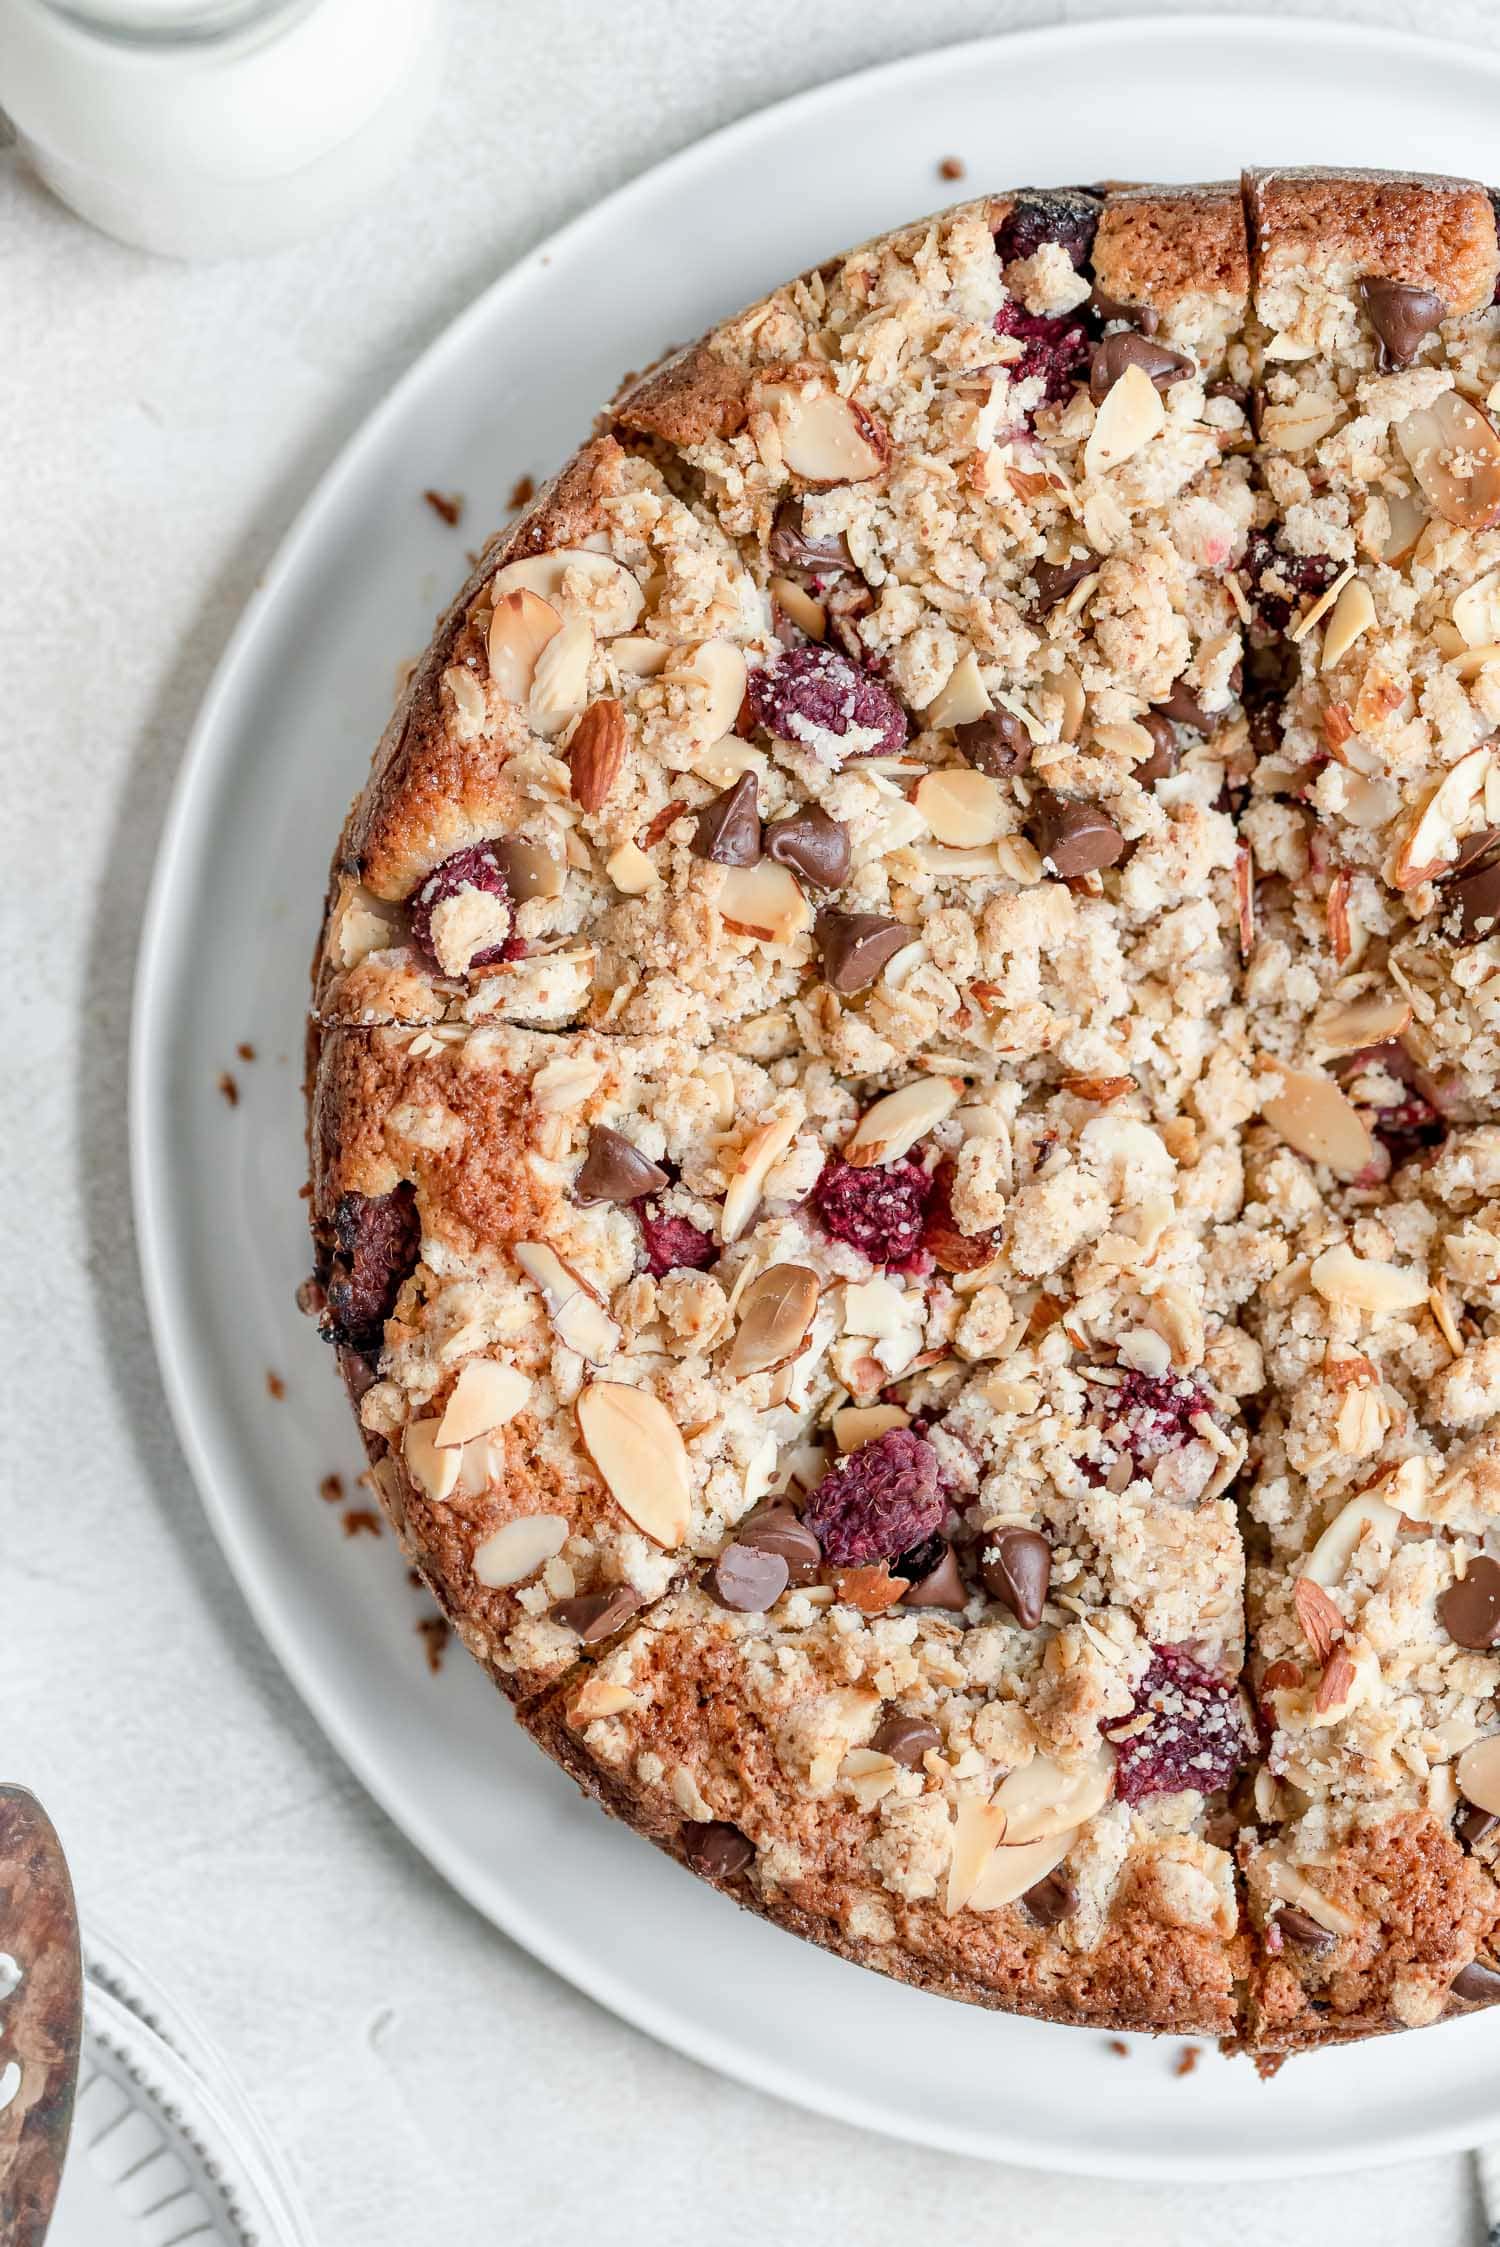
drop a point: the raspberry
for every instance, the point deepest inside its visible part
(1148, 1415)
(951, 1250)
(674, 1244)
(1057, 348)
(1062, 215)
(376, 1241)
(475, 868)
(816, 697)
(880, 1501)
(1412, 1125)
(879, 1208)
(1306, 574)
(1196, 1736)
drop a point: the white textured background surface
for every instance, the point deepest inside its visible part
(159, 427)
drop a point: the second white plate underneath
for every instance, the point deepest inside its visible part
(282, 744)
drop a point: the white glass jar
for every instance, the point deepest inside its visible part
(206, 128)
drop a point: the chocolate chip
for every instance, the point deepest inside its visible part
(614, 1170)
(597, 1615)
(728, 830)
(1304, 1932)
(1074, 836)
(815, 845)
(854, 947)
(778, 1529)
(1142, 316)
(749, 1578)
(1469, 1610)
(942, 1586)
(717, 1850)
(1017, 1568)
(1401, 315)
(1052, 1900)
(1474, 886)
(1477, 1983)
(1473, 1825)
(1162, 762)
(791, 549)
(906, 1739)
(1055, 580)
(998, 743)
(1238, 391)
(1123, 349)
(1183, 708)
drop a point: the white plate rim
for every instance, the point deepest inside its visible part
(149, 1170)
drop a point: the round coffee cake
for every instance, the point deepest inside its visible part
(905, 1067)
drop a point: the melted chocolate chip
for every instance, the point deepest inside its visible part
(1469, 1610)
(816, 847)
(906, 1739)
(1123, 349)
(1478, 1983)
(1304, 1932)
(1402, 315)
(792, 550)
(1074, 836)
(1016, 1565)
(778, 1529)
(1055, 580)
(748, 1578)
(597, 1615)
(614, 1170)
(1474, 886)
(854, 947)
(941, 1586)
(728, 829)
(998, 743)
(1145, 317)
(1052, 1900)
(1473, 1825)
(1183, 708)
(1162, 762)
(717, 1851)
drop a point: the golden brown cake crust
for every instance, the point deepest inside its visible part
(1434, 233)
(1156, 245)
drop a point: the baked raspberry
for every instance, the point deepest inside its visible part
(1411, 1125)
(1063, 215)
(474, 868)
(675, 1244)
(951, 1250)
(880, 1501)
(1196, 1736)
(818, 698)
(376, 1241)
(1057, 348)
(1307, 575)
(1147, 1416)
(879, 1208)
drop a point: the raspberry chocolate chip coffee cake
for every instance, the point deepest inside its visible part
(906, 1107)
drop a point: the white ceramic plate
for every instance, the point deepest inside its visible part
(283, 742)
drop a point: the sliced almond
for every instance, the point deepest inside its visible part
(1365, 1516)
(893, 1126)
(1131, 415)
(638, 1449)
(432, 1470)
(638, 657)
(1453, 450)
(1476, 612)
(825, 438)
(1433, 840)
(961, 698)
(1322, 1624)
(596, 753)
(1315, 1117)
(963, 808)
(1008, 1873)
(362, 924)
(1372, 1019)
(1044, 1798)
(560, 682)
(1321, 606)
(1407, 519)
(520, 626)
(598, 1697)
(579, 1319)
(977, 1828)
(1302, 421)
(1478, 1774)
(763, 901)
(857, 1424)
(1364, 1283)
(869, 1774)
(564, 1085)
(761, 1152)
(1353, 613)
(486, 1394)
(519, 1549)
(776, 1311)
(795, 601)
(615, 600)
(1289, 1886)
(720, 667)
(631, 871)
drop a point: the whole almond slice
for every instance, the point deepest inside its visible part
(758, 1157)
(1453, 450)
(1044, 1798)
(1407, 519)
(893, 1126)
(795, 601)
(519, 1549)
(486, 1394)
(720, 668)
(1291, 1886)
(763, 901)
(638, 1449)
(1365, 1283)
(963, 808)
(1303, 421)
(1131, 415)
(616, 600)
(856, 1424)
(560, 682)
(631, 871)
(1316, 1118)
(1353, 614)
(434, 1471)
(638, 657)
(1372, 1019)
(1433, 840)
(1476, 612)
(1365, 1516)
(596, 753)
(520, 626)
(825, 438)
(1478, 1774)
(977, 1827)
(776, 1311)
(1008, 1873)
(579, 1319)
(961, 698)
